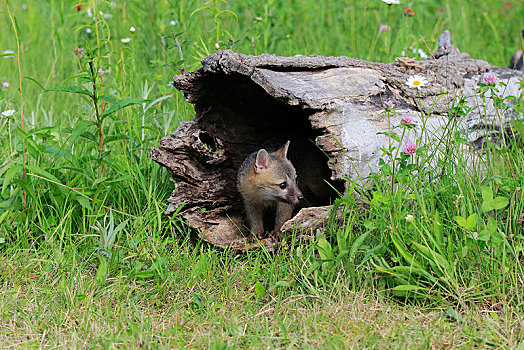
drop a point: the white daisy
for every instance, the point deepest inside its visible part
(416, 81)
(410, 218)
(8, 113)
(391, 2)
(126, 40)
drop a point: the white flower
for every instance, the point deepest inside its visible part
(88, 30)
(8, 113)
(173, 23)
(391, 2)
(422, 54)
(410, 218)
(126, 40)
(89, 13)
(403, 53)
(217, 46)
(132, 30)
(416, 81)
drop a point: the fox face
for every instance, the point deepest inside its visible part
(272, 180)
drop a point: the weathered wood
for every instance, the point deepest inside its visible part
(330, 107)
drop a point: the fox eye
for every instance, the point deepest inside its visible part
(282, 185)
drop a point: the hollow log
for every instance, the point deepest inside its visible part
(331, 108)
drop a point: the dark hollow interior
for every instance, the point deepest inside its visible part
(244, 116)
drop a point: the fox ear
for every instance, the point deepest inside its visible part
(282, 151)
(262, 161)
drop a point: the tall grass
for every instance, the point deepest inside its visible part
(89, 259)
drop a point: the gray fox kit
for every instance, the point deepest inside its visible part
(268, 180)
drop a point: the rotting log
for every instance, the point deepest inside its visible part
(330, 107)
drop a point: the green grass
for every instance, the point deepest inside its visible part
(71, 277)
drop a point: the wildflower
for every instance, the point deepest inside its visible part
(408, 12)
(132, 30)
(391, 2)
(389, 105)
(403, 53)
(442, 9)
(416, 81)
(78, 7)
(101, 71)
(409, 148)
(8, 113)
(422, 54)
(217, 46)
(410, 218)
(173, 23)
(24, 7)
(5, 84)
(126, 40)
(384, 28)
(89, 13)
(489, 79)
(406, 119)
(88, 30)
(78, 52)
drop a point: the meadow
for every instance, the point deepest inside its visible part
(89, 260)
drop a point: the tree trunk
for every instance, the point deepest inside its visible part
(331, 108)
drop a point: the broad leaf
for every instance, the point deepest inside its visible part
(73, 89)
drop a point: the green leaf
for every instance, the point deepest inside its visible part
(35, 81)
(471, 222)
(324, 249)
(260, 290)
(101, 272)
(433, 256)
(9, 175)
(486, 206)
(198, 301)
(84, 202)
(454, 314)
(399, 244)
(79, 128)
(461, 221)
(73, 89)
(119, 104)
(492, 225)
(113, 138)
(484, 235)
(438, 229)
(487, 193)
(356, 245)
(499, 203)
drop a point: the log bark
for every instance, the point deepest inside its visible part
(330, 107)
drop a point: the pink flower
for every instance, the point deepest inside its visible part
(78, 52)
(409, 148)
(489, 79)
(389, 105)
(384, 28)
(5, 84)
(100, 71)
(406, 119)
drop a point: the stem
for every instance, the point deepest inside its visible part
(15, 30)
(99, 120)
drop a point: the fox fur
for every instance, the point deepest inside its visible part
(268, 181)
